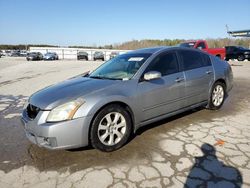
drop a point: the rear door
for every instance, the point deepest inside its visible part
(163, 95)
(199, 75)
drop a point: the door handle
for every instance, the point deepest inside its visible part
(209, 72)
(179, 80)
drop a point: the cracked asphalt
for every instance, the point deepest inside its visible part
(198, 148)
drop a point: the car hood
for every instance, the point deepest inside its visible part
(66, 91)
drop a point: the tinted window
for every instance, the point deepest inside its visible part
(191, 59)
(165, 64)
(201, 45)
(206, 60)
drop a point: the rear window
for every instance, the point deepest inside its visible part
(191, 60)
(194, 59)
(187, 44)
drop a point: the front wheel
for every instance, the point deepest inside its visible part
(111, 128)
(217, 96)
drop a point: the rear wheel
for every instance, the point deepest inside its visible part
(111, 128)
(217, 96)
(241, 58)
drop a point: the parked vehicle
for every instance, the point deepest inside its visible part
(237, 52)
(129, 91)
(202, 45)
(50, 56)
(23, 53)
(7, 53)
(34, 56)
(98, 55)
(15, 53)
(82, 55)
(113, 54)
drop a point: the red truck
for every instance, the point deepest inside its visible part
(202, 45)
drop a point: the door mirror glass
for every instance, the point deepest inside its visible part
(152, 75)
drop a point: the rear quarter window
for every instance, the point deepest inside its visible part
(206, 60)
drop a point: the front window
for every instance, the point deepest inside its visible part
(122, 67)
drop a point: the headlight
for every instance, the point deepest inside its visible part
(65, 111)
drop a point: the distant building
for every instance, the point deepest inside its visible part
(242, 33)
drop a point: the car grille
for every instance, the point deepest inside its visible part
(32, 111)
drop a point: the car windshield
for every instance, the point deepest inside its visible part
(187, 44)
(122, 67)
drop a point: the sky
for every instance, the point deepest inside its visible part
(102, 22)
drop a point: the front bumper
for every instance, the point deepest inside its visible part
(60, 135)
(48, 58)
(247, 56)
(30, 58)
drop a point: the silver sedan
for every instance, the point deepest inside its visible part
(105, 107)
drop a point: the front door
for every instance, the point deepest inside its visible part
(163, 95)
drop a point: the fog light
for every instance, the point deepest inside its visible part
(50, 141)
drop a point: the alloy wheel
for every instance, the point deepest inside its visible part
(112, 128)
(218, 95)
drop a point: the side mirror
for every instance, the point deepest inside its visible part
(200, 48)
(152, 75)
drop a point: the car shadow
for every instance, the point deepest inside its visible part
(208, 171)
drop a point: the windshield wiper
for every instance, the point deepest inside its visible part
(104, 78)
(97, 77)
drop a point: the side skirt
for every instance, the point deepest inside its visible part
(158, 118)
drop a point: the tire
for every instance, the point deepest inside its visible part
(227, 59)
(217, 96)
(113, 124)
(241, 58)
(86, 58)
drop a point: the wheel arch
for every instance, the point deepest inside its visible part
(122, 104)
(222, 80)
(218, 55)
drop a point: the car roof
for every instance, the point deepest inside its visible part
(150, 50)
(164, 48)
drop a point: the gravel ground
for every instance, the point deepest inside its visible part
(199, 147)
